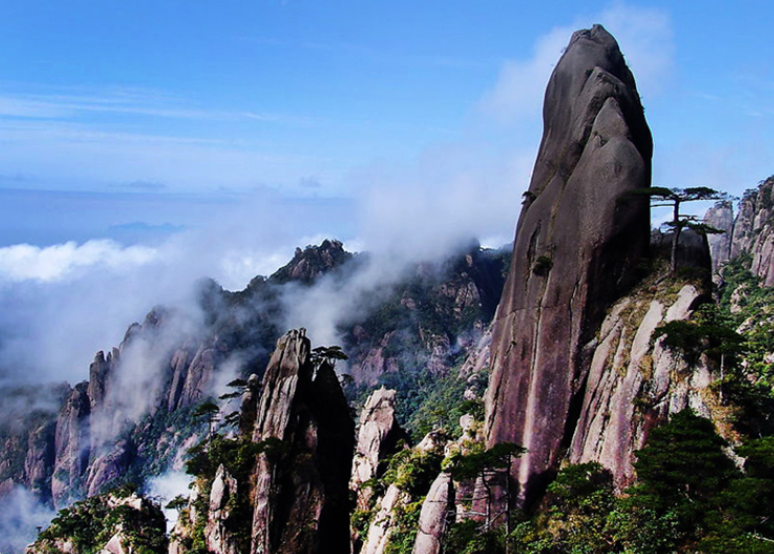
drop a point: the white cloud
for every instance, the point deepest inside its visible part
(167, 487)
(20, 516)
(644, 35)
(23, 262)
(518, 93)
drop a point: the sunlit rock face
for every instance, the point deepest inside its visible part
(379, 435)
(578, 242)
(751, 231)
(721, 217)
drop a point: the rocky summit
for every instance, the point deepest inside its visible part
(578, 240)
(629, 406)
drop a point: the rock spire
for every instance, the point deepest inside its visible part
(578, 241)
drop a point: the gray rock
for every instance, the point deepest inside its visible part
(433, 519)
(71, 446)
(720, 216)
(578, 242)
(217, 534)
(300, 494)
(378, 438)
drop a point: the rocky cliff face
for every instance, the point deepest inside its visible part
(379, 436)
(300, 497)
(634, 383)
(310, 263)
(439, 311)
(131, 418)
(578, 240)
(750, 232)
(286, 489)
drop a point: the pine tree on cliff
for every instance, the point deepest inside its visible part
(663, 197)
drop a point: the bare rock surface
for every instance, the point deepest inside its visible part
(433, 519)
(300, 494)
(578, 241)
(217, 534)
(378, 437)
(721, 217)
(634, 383)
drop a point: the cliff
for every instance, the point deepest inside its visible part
(282, 487)
(749, 232)
(579, 240)
(132, 418)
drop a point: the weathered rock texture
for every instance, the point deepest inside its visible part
(301, 497)
(439, 309)
(750, 232)
(128, 414)
(578, 241)
(71, 445)
(721, 217)
(633, 384)
(217, 533)
(434, 517)
(378, 437)
(386, 523)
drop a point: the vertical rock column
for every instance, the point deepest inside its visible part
(578, 241)
(300, 497)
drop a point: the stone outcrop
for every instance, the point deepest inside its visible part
(384, 521)
(311, 262)
(434, 517)
(217, 534)
(300, 495)
(378, 437)
(71, 445)
(578, 241)
(721, 217)
(633, 383)
(750, 232)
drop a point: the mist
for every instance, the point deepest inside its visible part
(20, 517)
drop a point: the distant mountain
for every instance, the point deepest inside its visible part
(132, 419)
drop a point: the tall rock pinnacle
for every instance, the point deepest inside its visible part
(578, 241)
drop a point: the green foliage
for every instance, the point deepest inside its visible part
(412, 471)
(403, 531)
(443, 407)
(479, 462)
(329, 354)
(674, 198)
(542, 265)
(208, 410)
(238, 456)
(579, 502)
(709, 331)
(465, 537)
(689, 497)
(360, 522)
(90, 523)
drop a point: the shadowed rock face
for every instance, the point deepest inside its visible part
(578, 241)
(300, 497)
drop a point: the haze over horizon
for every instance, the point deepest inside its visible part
(147, 145)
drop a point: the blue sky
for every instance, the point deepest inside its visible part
(145, 144)
(183, 102)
